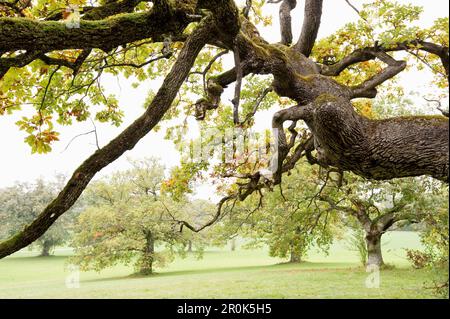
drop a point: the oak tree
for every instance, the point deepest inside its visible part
(130, 221)
(55, 66)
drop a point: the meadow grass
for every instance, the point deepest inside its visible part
(224, 274)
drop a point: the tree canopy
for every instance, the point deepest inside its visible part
(21, 203)
(52, 61)
(129, 220)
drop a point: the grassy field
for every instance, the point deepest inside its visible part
(223, 274)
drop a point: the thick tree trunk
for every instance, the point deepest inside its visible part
(374, 255)
(233, 244)
(295, 255)
(375, 149)
(189, 246)
(146, 266)
(46, 247)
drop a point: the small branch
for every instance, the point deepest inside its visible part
(247, 8)
(75, 137)
(424, 61)
(325, 183)
(166, 54)
(368, 88)
(28, 57)
(237, 91)
(18, 62)
(216, 217)
(204, 73)
(258, 102)
(47, 87)
(95, 133)
(250, 213)
(333, 204)
(356, 10)
(366, 54)
(439, 107)
(215, 88)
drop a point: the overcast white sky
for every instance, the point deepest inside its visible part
(17, 163)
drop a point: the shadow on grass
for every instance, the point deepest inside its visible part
(15, 259)
(295, 267)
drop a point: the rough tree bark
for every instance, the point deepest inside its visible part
(398, 147)
(376, 149)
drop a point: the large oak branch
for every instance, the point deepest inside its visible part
(376, 149)
(31, 35)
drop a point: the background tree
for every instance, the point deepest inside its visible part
(434, 237)
(285, 219)
(130, 221)
(320, 78)
(21, 203)
(378, 206)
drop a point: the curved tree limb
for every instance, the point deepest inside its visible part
(214, 88)
(366, 54)
(368, 87)
(310, 28)
(122, 143)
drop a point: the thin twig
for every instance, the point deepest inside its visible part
(138, 66)
(47, 87)
(204, 73)
(95, 133)
(258, 102)
(424, 61)
(444, 112)
(75, 137)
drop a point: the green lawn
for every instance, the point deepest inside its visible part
(223, 274)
